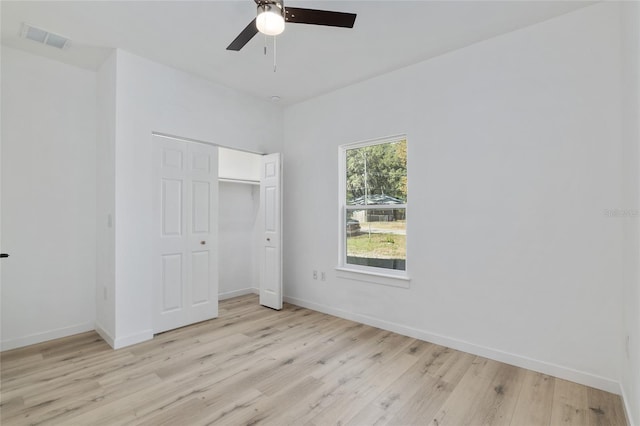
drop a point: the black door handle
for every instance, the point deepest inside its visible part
(4, 255)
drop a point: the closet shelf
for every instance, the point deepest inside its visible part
(243, 181)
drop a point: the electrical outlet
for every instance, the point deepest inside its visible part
(323, 276)
(315, 275)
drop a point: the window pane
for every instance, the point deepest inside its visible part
(377, 174)
(377, 238)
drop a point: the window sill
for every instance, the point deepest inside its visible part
(373, 277)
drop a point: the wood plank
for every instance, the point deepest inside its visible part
(359, 393)
(420, 391)
(605, 408)
(535, 401)
(570, 404)
(254, 365)
(487, 394)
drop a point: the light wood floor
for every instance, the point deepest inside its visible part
(254, 365)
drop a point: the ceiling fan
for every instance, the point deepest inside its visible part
(272, 15)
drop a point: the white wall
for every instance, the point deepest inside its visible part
(630, 377)
(514, 154)
(155, 98)
(48, 199)
(237, 215)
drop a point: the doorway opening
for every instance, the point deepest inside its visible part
(239, 234)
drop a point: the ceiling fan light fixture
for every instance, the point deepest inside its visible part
(270, 20)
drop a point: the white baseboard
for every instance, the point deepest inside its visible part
(627, 408)
(118, 343)
(236, 293)
(132, 339)
(555, 370)
(44, 336)
(107, 337)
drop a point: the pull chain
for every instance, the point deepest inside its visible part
(275, 64)
(274, 54)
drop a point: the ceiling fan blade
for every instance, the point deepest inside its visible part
(244, 37)
(299, 15)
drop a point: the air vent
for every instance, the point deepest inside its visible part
(44, 37)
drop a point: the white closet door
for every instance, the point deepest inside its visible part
(185, 233)
(271, 219)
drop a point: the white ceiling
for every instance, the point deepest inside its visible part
(193, 36)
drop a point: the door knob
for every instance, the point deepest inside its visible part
(203, 242)
(4, 255)
(268, 239)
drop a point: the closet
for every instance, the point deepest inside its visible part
(218, 229)
(239, 234)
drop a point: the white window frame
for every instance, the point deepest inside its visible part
(384, 276)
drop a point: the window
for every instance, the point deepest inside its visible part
(373, 202)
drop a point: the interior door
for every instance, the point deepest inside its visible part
(185, 228)
(270, 258)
